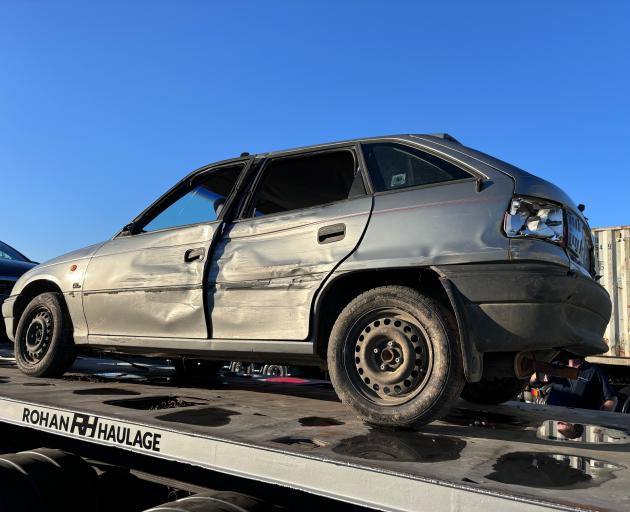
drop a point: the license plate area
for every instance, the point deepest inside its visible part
(578, 240)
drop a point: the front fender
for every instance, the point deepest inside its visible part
(64, 274)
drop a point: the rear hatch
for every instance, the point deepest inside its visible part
(579, 240)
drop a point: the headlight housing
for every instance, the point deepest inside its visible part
(528, 217)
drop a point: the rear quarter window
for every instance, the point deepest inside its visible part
(393, 166)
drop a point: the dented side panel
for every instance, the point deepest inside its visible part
(142, 286)
(439, 225)
(266, 271)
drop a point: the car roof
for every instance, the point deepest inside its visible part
(435, 136)
(445, 140)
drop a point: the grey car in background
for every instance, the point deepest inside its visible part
(412, 267)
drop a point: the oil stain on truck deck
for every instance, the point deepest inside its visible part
(400, 446)
(551, 471)
(156, 403)
(105, 392)
(316, 421)
(206, 417)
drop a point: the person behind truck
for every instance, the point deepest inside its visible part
(591, 390)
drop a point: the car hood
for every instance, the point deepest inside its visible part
(14, 268)
(79, 254)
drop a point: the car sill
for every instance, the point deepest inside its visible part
(212, 349)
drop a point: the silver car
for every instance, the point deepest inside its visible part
(416, 269)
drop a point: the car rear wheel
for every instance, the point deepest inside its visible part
(43, 343)
(394, 357)
(493, 391)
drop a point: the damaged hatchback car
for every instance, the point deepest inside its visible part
(412, 267)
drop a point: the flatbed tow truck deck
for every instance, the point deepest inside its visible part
(295, 433)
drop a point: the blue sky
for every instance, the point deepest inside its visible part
(105, 105)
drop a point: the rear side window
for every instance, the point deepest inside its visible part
(306, 181)
(392, 166)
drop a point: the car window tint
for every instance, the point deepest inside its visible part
(392, 166)
(202, 203)
(306, 181)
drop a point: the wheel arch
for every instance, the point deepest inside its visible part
(29, 292)
(342, 288)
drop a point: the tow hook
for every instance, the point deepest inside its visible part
(525, 365)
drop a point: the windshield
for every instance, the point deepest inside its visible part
(9, 253)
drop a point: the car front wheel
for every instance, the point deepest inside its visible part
(43, 343)
(394, 357)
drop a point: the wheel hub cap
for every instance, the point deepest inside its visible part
(391, 357)
(38, 335)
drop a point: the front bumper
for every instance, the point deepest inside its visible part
(515, 307)
(7, 327)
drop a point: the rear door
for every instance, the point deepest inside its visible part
(307, 212)
(151, 282)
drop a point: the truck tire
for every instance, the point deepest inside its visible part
(215, 501)
(46, 479)
(394, 357)
(493, 391)
(43, 341)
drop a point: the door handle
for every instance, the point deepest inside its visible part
(194, 254)
(333, 233)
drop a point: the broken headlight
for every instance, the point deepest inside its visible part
(535, 218)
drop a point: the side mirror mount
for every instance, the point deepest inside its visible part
(129, 230)
(218, 206)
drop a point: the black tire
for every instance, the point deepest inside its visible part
(43, 342)
(493, 391)
(408, 344)
(194, 369)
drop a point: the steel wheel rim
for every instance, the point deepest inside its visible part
(38, 335)
(275, 370)
(387, 356)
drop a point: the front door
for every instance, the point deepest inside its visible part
(150, 282)
(307, 213)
